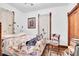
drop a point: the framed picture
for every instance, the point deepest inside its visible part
(32, 23)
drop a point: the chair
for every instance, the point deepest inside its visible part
(56, 43)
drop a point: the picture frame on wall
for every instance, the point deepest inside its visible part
(32, 23)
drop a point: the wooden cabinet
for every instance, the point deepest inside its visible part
(0, 41)
(77, 21)
(73, 23)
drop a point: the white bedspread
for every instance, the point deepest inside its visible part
(12, 43)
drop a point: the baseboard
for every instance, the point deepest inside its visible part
(63, 46)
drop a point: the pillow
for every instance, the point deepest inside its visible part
(72, 43)
(32, 42)
(20, 34)
(8, 36)
(39, 37)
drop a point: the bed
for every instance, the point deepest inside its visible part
(15, 45)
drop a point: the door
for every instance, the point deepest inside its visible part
(0, 41)
(44, 25)
(77, 23)
(73, 26)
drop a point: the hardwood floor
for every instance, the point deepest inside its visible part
(53, 51)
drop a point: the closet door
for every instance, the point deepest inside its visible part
(73, 25)
(77, 23)
(0, 41)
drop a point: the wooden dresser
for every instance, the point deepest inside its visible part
(73, 24)
(0, 41)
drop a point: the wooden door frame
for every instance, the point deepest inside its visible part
(50, 25)
(13, 22)
(38, 23)
(68, 14)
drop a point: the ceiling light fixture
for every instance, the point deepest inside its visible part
(31, 4)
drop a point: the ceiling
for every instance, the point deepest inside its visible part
(27, 7)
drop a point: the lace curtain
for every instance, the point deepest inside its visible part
(6, 18)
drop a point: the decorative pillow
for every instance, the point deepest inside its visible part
(32, 42)
(39, 37)
(72, 43)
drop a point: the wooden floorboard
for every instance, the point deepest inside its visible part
(54, 49)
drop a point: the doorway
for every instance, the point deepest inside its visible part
(44, 25)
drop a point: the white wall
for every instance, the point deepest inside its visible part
(59, 21)
(19, 16)
(71, 6)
